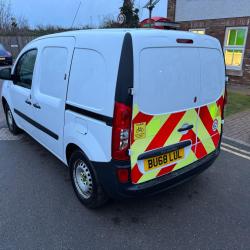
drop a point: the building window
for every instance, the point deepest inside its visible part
(198, 31)
(234, 47)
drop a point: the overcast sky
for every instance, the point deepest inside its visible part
(61, 12)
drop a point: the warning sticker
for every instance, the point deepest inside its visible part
(140, 130)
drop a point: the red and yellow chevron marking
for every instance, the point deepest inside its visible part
(210, 137)
(162, 130)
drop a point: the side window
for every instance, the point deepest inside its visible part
(25, 68)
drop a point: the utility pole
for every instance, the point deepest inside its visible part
(150, 6)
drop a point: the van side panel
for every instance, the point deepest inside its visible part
(86, 99)
(91, 95)
(49, 91)
(88, 134)
(88, 76)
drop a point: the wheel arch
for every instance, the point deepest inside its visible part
(4, 102)
(72, 147)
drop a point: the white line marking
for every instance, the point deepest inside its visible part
(235, 140)
(5, 135)
(235, 153)
(235, 148)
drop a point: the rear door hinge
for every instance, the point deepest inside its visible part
(131, 91)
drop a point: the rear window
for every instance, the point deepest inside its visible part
(212, 75)
(170, 79)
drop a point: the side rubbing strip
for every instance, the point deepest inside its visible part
(37, 125)
(102, 118)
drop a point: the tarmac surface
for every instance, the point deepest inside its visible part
(39, 210)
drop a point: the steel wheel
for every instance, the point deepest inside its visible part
(83, 180)
(10, 119)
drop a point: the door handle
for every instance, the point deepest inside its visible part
(185, 127)
(28, 102)
(37, 106)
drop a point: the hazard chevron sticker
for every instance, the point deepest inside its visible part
(162, 130)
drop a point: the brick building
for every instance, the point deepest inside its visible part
(227, 20)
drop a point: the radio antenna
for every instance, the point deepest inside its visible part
(77, 11)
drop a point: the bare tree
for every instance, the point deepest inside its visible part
(109, 22)
(5, 14)
(22, 23)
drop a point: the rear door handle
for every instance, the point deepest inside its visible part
(28, 102)
(185, 127)
(37, 106)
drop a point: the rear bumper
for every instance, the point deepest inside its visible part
(107, 174)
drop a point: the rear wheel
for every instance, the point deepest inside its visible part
(85, 182)
(13, 128)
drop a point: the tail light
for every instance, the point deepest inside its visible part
(189, 41)
(121, 131)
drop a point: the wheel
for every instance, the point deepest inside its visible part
(85, 182)
(13, 128)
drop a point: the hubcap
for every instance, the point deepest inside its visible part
(10, 118)
(83, 179)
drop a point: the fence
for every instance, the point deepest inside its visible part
(15, 44)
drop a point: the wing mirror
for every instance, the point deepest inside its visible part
(5, 74)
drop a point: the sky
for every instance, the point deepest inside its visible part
(61, 12)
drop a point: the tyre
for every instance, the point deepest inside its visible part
(13, 128)
(85, 182)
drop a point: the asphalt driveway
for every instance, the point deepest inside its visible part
(39, 210)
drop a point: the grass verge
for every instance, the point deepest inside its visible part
(236, 103)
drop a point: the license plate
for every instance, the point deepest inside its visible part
(2, 59)
(163, 160)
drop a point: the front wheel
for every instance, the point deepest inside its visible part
(13, 128)
(85, 182)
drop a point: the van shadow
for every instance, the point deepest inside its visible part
(150, 209)
(117, 213)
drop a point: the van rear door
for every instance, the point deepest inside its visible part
(165, 117)
(211, 101)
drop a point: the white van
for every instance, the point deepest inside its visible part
(131, 112)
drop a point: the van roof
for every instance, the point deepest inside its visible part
(78, 34)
